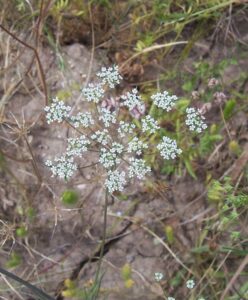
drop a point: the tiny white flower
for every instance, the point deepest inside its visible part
(83, 119)
(190, 284)
(107, 117)
(164, 100)
(138, 168)
(63, 166)
(149, 124)
(115, 181)
(137, 146)
(125, 128)
(168, 148)
(171, 298)
(132, 100)
(101, 137)
(76, 146)
(110, 76)
(201, 298)
(195, 120)
(158, 276)
(57, 111)
(93, 92)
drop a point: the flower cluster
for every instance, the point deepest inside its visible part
(168, 148)
(132, 100)
(164, 100)
(137, 146)
(94, 92)
(57, 112)
(115, 141)
(149, 124)
(138, 168)
(115, 181)
(125, 128)
(82, 119)
(111, 157)
(102, 137)
(110, 76)
(63, 166)
(107, 117)
(195, 120)
(76, 146)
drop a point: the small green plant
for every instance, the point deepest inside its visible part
(14, 261)
(69, 197)
(21, 231)
(126, 274)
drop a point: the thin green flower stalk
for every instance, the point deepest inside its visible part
(119, 144)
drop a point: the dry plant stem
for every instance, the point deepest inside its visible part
(224, 121)
(37, 172)
(150, 49)
(167, 248)
(103, 237)
(234, 278)
(12, 288)
(41, 72)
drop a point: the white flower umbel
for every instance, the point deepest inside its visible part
(115, 181)
(107, 117)
(138, 168)
(137, 146)
(63, 166)
(82, 119)
(110, 76)
(125, 128)
(101, 137)
(76, 146)
(168, 148)
(190, 284)
(93, 92)
(132, 100)
(57, 111)
(149, 124)
(195, 120)
(164, 100)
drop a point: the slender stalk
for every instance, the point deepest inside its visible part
(103, 236)
(38, 292)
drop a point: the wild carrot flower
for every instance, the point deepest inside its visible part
(132, 99)
(93, 92)
(136, 146)
(138, 168)
(115, 181)
(57, 111)
(149, 124)
(164, 100)
(168, 148)
(195, 120)
(110, 76)
(113, 140)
